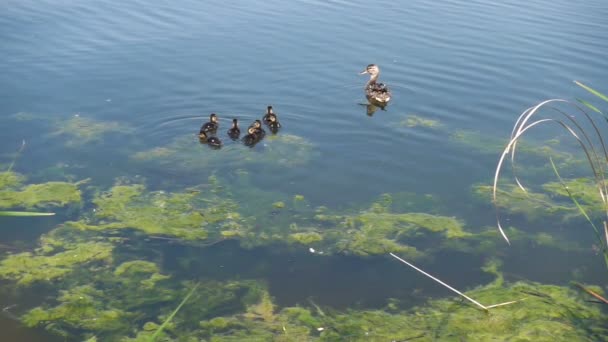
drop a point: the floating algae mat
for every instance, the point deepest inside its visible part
(211, 213)
(103, 285)
(129, 301)
(15, 194)
(186, 154)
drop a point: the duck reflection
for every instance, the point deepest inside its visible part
(371, 108)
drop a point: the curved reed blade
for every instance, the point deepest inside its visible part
(595, 161)
(499, 168)
(521, 124)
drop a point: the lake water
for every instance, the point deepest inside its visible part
(155, 70)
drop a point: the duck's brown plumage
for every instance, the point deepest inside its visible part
(374, 91)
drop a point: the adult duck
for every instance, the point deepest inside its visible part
(377, 93)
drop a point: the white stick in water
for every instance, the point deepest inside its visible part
(440, 282)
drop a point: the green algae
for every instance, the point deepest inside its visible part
(80, 308)
(43, 265)
(554, 202)
(379, 231)
(548, 313)
(372, 231)
(190, 215)
(532, 156)
(585, 190)
(412, 121)
(10, 180)
(57, 194)
(185, 153)
(306, 239)
(107, 305)
(533, 205)
(79, 130)
(14, 194)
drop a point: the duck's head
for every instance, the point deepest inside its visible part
(269, 110)
(372, 70)
(202, 135)
(256, 124)
(213, 118)
(235, 123)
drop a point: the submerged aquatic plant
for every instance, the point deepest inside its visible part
(47, 264)
(185, 155)
(10, 179)
(190, 215)
(592, 144)
(549, 313)
(412, 121)
(81, 130)
(168, 320)
(484, 307)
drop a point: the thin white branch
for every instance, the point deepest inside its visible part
(440, 282)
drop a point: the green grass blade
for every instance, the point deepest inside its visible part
(168, 320)
(592, 91)
(24, 213)
(589, 105)
(10, 167)
(583, 212)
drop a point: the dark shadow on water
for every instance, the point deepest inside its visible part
(17, 233)
(11, 307)
(531, 262)
(14, 331)
(298, 277)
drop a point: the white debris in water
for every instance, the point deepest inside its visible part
(311, 250)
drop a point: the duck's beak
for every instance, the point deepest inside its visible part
(364, 72)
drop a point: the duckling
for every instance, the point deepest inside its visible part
(269, 114)
(273, 124)
(211, 141)
(234, 132)
(252, 137)
(376, 92)
(212, 125)
(257, 125)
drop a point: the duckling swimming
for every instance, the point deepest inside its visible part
(257, 125)
(274, 124)
(252, 137)
(212, 125)
(234, 132)
(376, 92)
(269, 114)
(211, 141)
